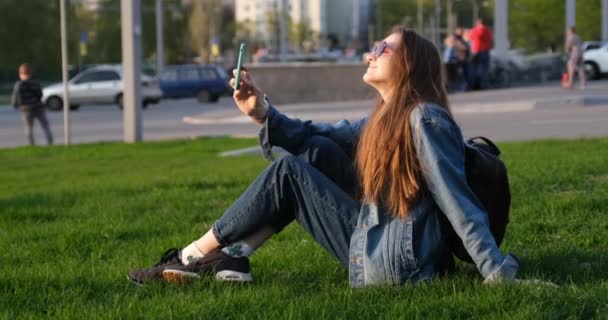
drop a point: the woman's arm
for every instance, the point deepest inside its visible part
(289, 134)
(282, 131)
(441, 154)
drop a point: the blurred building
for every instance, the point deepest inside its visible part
(341, 23)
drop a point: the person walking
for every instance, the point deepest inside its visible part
(481, 44)
(27, 96)
(575, 59)
(464, 54)
(371, 192)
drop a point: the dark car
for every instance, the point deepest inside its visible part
(205, 82)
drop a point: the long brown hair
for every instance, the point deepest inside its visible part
(386, 159)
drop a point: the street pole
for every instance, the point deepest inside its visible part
(282, 31)
(355, 29)
(604, 20)
(501, 13)
(64, 74)
(419, 17)
(160, 55)
(438, 23)
(449, 7)
(570, 13)
(475, 7)
(130, 14)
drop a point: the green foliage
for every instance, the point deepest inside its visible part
(204, 22)
(74, 220)
(538, 25)
(31, 33)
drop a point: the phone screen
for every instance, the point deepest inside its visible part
(239, 65)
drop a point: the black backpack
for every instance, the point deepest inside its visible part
(487, 177)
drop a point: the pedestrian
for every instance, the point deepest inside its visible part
(481, 44)
(464, 54)
(575, 59)
(451, 62)
(370, 192)
(27, 96)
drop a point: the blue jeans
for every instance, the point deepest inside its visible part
(481, 63)
(317, 187)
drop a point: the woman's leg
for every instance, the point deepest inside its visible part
(292, 189)
(570, 73)
(321, 153)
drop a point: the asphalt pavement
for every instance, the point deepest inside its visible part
(536, 112)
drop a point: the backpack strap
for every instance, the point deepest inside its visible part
(487, 141)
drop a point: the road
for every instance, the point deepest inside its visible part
(503, 115)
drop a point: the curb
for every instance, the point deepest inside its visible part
(278, 152)
(470, 108)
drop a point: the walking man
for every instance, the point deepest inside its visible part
(481, 43)
(26, 96)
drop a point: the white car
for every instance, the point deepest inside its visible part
(596, 61)
(99, 85)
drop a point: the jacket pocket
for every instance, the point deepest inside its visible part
(409, 263)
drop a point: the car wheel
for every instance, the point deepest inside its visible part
(214, 98)
(203, 96)
(592, 71)
(74, 107)
(54, 103)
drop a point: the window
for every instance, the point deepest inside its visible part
(190, 74)
(88, 77)
(98, 76)
(207, 74)
(107, 76)
(169, 75)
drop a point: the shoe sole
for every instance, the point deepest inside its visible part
(180, 277)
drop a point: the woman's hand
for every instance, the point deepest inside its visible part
(248, 97)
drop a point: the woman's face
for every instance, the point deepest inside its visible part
(380, 69)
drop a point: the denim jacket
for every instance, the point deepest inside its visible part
(389, 250)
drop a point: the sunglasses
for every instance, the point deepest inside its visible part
(380, 49)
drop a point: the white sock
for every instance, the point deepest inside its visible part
(238, 249)
(191, 253)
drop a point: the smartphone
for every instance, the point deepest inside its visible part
(239, 65)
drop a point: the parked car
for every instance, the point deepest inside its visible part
(596, 62)
(99, 85)
(590, 45)
(205, 82)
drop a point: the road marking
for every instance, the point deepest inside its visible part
(542, 122)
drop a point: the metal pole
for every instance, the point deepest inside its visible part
(570, 13)
(160, 55)
(130, 14)
(604, 20)
(438, 23)
(355, 29)
(282, 30)
(475, 6)
(64, 74)
(501, 12)
(419, 17)
(450, 25)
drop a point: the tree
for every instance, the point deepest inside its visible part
(204, 22)
(538, 25)
(31, 33)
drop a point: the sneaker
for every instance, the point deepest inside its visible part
(169, 259)
(217, 263)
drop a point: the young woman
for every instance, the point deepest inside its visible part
(370, 192)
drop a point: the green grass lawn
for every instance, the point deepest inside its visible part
(74, 220)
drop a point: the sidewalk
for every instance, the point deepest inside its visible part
(492, 101)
